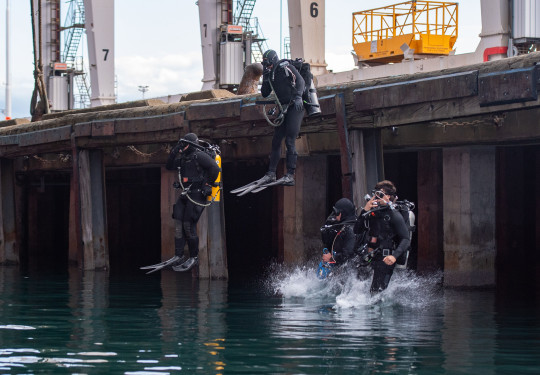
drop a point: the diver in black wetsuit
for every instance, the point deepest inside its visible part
(198, 171)
(288, 85)
(338, 234)
(388, 234)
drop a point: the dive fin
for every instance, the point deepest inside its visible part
(282, 181)
(253, 185)
(160, 266)
(248, 190)
(173, 259)
(187, 265)
(240, 189)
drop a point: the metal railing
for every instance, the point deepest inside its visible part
(413, 17)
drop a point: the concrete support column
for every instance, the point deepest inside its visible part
(429, 223)
(90, 221)
(367, 162)
(9, 249)
(469, 216)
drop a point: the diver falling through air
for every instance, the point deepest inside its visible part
(293, 91)
(198, 174)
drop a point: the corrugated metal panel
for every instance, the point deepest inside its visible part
(526, 19)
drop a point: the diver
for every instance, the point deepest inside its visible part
(386, 233)
(338, 236)
(197, 173)
(285, 81)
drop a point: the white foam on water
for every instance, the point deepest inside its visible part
(346, 290)
(16, 327)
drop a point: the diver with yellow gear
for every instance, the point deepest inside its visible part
(198, 173)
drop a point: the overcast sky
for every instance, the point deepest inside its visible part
(158, 43)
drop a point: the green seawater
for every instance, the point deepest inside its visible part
(286, 323)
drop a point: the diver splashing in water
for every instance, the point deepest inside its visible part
(338, 237)
(197, 172)
(387, 233)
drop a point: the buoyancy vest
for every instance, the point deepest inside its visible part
(190, 170)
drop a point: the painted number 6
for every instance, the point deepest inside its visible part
(313, 10)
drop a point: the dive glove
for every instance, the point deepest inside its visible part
(207, 190)
(177, 148)
(298, 105)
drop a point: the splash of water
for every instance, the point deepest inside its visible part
(347, 290)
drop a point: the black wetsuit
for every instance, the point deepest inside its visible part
(288, 84)
(198, 171)
(338, 236)
(389, 228)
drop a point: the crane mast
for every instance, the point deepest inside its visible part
(230, 43)
(99, 24)
(63, 69)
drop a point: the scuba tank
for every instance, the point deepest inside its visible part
(311, 101)
(216, 190)
(325, 268)
(215, 153)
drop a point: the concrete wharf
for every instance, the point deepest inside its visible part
(88, 187)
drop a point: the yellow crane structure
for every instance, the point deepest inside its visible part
(412, 29)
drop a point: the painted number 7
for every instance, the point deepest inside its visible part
(106, 50)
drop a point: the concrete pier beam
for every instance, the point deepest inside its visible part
(469, 216)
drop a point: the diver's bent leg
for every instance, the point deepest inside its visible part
(292, 124)
(275, 154)
(382, 273)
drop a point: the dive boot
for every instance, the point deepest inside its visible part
(287, 180)
(187, 265)
(267, 178)
(180, 261)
